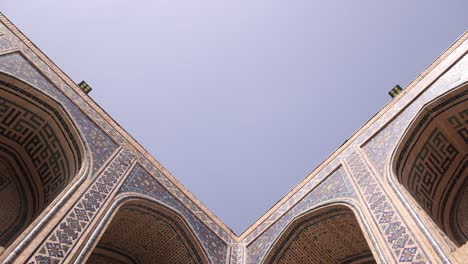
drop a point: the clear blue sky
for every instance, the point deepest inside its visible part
(240, 100)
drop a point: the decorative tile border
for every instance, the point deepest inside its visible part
(139, 181)
(432, 72)
(64, 236)
(189, 203)
(380, 146)
(237, 254)
(10, 41)
(292, 201)
(399, 239)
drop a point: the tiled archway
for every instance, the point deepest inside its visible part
(40, 154)
(328, 235)
(431, 162)
(143, 232)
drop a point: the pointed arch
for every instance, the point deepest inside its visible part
(41, 153)
(430, 163)
(328, 234)
(140, 230)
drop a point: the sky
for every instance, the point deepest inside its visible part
(241, 100)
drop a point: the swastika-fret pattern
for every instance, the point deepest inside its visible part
(431, 161)
(399, 239)
(436, 156)
(101, 145)
(335, 186)
(64, 236)
(392, 125)
(40, 142)
(29, 67)
(459, 122)
(139, 181)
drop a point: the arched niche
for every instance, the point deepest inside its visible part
(431, 162)
(143, 231)
(40, 154)
(330, 234)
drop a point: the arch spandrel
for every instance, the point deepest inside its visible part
(141, 182)
(431, 163)
(335, 188)
(142, 231)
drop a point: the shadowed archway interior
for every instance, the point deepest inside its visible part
(431, 162)
(328, 235)
(147, 233)
(39, 155)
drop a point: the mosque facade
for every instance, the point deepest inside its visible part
(75, 187)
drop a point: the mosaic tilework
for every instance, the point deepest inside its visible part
(9, 41)
(64, 236)
(379, 148)
(102, 146)
(196, 210)
(292, 201)
(335, 186)
(40, 141)
(401, 242)
(459, 122)
(237, 254)
(429, 163)
(427, 172)
(139, 181)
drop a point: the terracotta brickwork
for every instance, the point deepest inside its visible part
(395, 192)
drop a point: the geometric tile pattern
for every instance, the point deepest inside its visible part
(392, 125)
(186, 201)
(335, 186)
(294, 199)
(379, 148)
(434, 159)
(399, 239)
(41, 142)
(459, 122)
(97, 131)
(101, 145)
(139, 181)
(64, 236)
(237, 254)
(430, 163)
